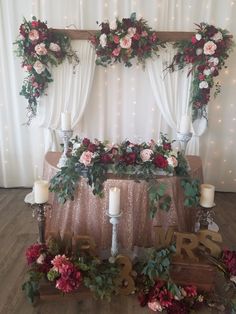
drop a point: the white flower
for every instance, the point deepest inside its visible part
(39, 67)
(103, 40)
(40, 259)
(174, 153)
(126, 42)
(172, 161)
(214, 61)
(40, 49)
(217, 37)
(199, 51)
(212, 69)
(233, 278)
(203, 84)
(207, 72)
(198, 36)
(113, 25)
(146, 154)
(131, 31)
(54, 47)
(75, 147)
(209, 48)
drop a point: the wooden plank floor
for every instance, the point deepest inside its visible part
(18, 229)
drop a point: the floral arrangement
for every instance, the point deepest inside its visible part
(95, 160)
(174, 299)
(205, 54)
(68, 272)
(121, 41)
(39, 47)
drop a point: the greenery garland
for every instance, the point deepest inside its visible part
(40, 47)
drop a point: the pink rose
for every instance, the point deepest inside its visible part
(131, 31)
(116, 52)
(146, 154)
(33, 35)
(172, 161)
(209, 48)
(144, 34)
(155, 306)
(40, 49)
(54, 47)
(126, 42)
(116, 39)
(27, 67)
(39, 67)
(86, 158)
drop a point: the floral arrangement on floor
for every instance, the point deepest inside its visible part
(95, 160)
(40, 47)
(123, 40)
(205, 54)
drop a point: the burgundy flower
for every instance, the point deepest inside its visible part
(160, 161)
(211, 30)
(127, 22)
(106, 159)
(201, 76)
(92, 147)
(178, 307)
(34, 251)
(86, 142)
(166, 298)
(34, 24)
(167, 146)
(105, 28)
(128, 158)
(229, 259)
(136, 36)
(193, 40)
(191, 291)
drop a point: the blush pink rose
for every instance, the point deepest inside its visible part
(116, 52)
(172, 161)
(39, 67)
(54, 47)
(40, 49)
(126, 42)
(209, 48)
(33, 35)
(146, 154)
(131, 31)
(155, 306)
(86, 158)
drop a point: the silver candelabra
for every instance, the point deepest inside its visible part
(41, 210)
(66, 135)
(114, 220)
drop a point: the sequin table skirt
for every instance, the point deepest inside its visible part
(86, 215)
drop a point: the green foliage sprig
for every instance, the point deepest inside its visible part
(158, 199)
(191, 191)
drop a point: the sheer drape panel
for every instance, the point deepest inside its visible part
(69, 92)
(171, 90)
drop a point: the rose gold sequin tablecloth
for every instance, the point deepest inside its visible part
(86, 215)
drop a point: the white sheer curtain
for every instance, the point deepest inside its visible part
(171, 90)
(69, 92)
(121, 103)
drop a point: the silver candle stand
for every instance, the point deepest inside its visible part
(41, 210)
(114, 220)
(66, 135)
(184, 138)
(204, 214)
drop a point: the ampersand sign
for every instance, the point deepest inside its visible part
(124, 280)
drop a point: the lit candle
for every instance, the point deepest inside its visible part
(207, 192)
(184, 127)
(114, 201)
(41, 191)
(66, 121)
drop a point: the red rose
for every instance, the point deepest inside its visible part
(92, 147)
(35, 23)
(167, 146)
(106, 159)
(160, 161)
(86, 141)
(129, 158)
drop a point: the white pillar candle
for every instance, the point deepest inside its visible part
(207, 192)
(66, 121)
(114, 201)
(184, 127)
(41, 191)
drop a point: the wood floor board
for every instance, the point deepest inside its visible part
(18, 230)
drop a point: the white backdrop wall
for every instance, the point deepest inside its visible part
(121, 102)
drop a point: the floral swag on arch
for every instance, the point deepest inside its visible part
(122, 41)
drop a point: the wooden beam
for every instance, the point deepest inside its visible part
(87, 34)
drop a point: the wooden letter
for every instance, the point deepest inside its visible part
(163, 238)
(125, 281)
(206, 236)
(186, 242)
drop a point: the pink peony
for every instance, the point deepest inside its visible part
(209, 48)
(40, 49)
(146, 154)
(86, 158)
(33, 35)
(126, 42)
(54, 47)
(116, 52)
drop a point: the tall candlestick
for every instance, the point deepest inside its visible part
(114, 201)
(184, 127)
(41, 191)
(207, 195)
(66, 121)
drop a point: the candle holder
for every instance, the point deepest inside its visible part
(204, 215)
(114, 220)
(41, 210)
(184, 138)
(66, 135)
